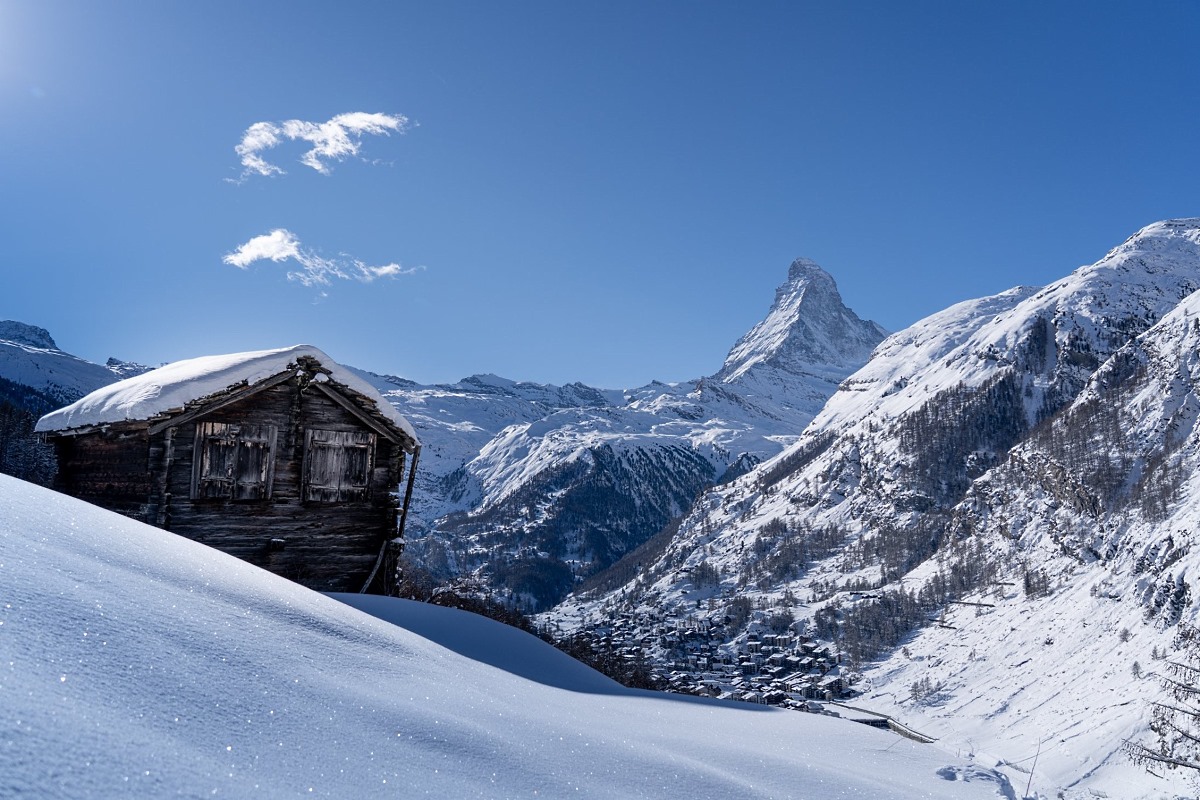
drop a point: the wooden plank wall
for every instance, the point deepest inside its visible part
(107, 468)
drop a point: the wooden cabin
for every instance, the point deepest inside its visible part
(282, 458)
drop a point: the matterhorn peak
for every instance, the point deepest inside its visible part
(807, 329)
(807, 269)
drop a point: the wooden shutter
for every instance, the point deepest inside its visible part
(233, 461)
(216, 456)
(255, 465)
(338, 465)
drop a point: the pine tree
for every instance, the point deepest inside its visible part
(1176, 720)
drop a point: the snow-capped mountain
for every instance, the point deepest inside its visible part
(456, 421)
(1031, 455)
(48, 377)
(125, 369)
(807, 331)
(533, 486)
(1097, 512)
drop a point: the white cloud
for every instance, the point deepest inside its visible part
(314, 270)
(259, 136)
(278, 245)
(336, 140)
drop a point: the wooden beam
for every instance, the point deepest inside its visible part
(412, 475)
(164, 489)
(378, 561)
(386, 431)
(120, 428)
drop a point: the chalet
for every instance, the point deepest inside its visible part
(831, 687)
(279, 457)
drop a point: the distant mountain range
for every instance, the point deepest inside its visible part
(530, 488)
(534, 487)
(48, 377)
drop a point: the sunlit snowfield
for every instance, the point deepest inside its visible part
(137, 663)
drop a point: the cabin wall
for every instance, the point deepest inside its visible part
(107, 468)
(326, 546)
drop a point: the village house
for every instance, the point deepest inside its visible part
(280, 457)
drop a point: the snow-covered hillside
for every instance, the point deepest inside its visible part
(456, 421)
(1032, 452)
(30, 358)
(1102, 506)
(137, 663)
(532, 486)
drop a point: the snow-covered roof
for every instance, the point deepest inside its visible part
(171, 387)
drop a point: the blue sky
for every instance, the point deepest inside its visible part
(607, 192)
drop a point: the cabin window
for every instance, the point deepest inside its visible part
(233, 462)
(338, 465)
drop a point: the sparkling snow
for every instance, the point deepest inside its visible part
(136, 663)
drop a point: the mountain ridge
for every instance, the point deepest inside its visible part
(645, 451)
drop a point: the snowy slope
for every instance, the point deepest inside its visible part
(1050, 678)
(138, 663)
(1104, 502)
(1118, 459)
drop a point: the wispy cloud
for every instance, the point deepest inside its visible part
(282, 245)
(336, 140)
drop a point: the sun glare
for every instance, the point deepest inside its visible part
(9, 52)
(20, 46)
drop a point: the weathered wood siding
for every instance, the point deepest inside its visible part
(328, 546)
(108, 468)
